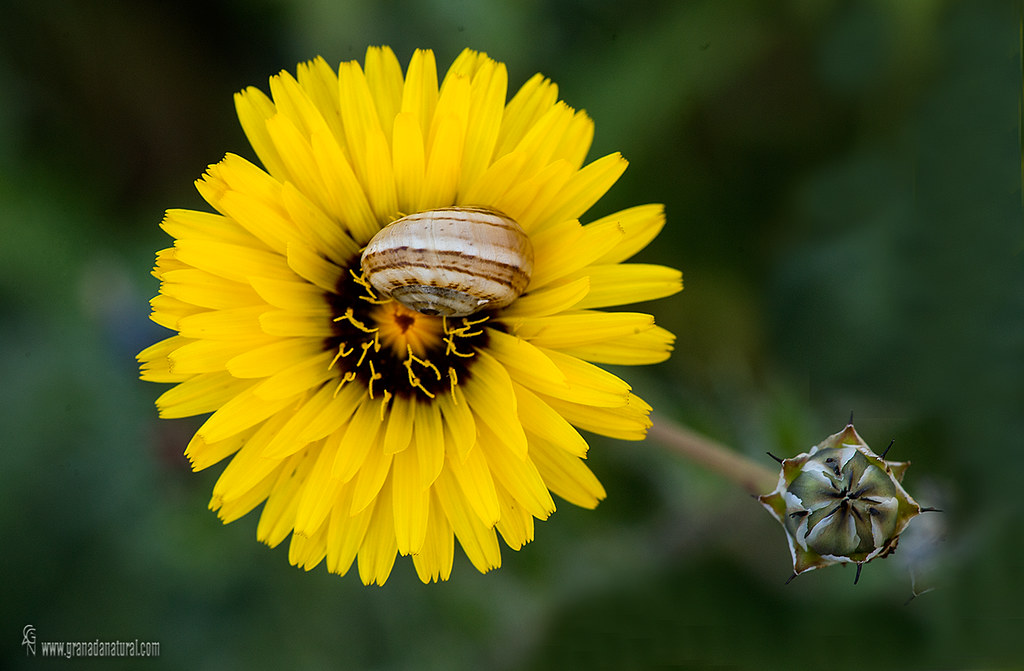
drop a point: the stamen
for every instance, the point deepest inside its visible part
(453, 380)
(349, 316)
(370, 297)
(341, 353)
(462, 332)
(423, 362)
(414, 380)
(384, 403)
(349, 376)
(374, 375)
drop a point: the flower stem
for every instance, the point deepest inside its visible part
(751, 476)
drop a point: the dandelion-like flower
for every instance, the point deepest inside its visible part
(367, 429)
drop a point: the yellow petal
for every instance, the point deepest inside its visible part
(307, 551)
(552, 299)
(233, 262)
(379, 549)
(241, 412)
(278, 517)
(419, 93)
(289, 295)
(639, 225)
(301, 160)
(528, 105)
(168, 312)
(380, 177)
(292, 101)
(524, 362)
(528, 197)
(400, 420)
(476, 484)
(302, 323)
(202, 454)
(625, 423)
(458, 421)
(429, 441)
(575, 141)
(495, 182)
(445, 145)
(207, 356)
(347, 201)
(320, 82)
(384, 80)
(318, 493)
(648, 347)
(584, 189)
(309, 265)
(562, 249)
(316, 418)
(358, 112)
(233, 324)
(541, 140)
(243, 504)
(588, 384)
(273, 357)
(296, 379)
(487, 102)
(408, 160)
(323, 233)
(434, 561)
(517, 474)
(182, 224)
(493, 402)
(357, 441)
(477, 539)
(516, 524)
(580, 327)
(254, 108)
(411, 503)
(540, 419)
(200, 394)
(207, 290)
(622, 283)
(565, 474)
(370, 479)
(345, 533)
(249, 467)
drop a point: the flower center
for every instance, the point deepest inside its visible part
(395, 351)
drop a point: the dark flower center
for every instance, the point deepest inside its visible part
(394, 351)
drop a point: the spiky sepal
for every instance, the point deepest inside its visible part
(840, 503)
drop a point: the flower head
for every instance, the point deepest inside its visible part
(841, 503)
(365, 428)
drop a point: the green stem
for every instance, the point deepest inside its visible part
(751, 476)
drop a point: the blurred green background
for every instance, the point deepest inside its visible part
(843, 185)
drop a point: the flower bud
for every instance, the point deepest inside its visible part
(840, 503)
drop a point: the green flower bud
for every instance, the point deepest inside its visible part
(840, 503)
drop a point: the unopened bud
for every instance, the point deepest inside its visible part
(840, 503)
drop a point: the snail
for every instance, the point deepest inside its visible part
(451, 261)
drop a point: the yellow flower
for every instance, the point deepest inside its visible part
(366, 429)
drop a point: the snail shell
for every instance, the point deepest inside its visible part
(451, 262)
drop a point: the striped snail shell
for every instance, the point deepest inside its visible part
(451, 261)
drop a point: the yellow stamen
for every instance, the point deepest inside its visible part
(453, 380)
(341, 353)
(374, 375)
(414, 380)
(349, 376)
